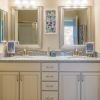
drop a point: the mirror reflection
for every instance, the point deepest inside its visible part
(75, 26)
(27, 26)
(3, 25)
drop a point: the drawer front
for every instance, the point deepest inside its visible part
(50, 95)
(49, 67)
(79, 67)
(49, 85)
(19, 66)
(49, 76)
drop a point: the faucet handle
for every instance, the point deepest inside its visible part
(30, 52)
(75, 52)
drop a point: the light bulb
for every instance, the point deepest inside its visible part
(77, 2)
(84, 3)
(33, 4)
(25, 3)
(17, 2)
(69, 2)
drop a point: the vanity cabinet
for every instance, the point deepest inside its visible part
(9, 86)
(79, 86)
(19, 85)
(79, 81)
(90, 86)
(20, 81)
(49, 81)
(29, 86)
(69, 86)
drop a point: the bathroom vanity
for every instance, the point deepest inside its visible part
(51, 78)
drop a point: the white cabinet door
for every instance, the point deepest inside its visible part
(9, 85)
(91, 86)
(69, 86)
(30, 86)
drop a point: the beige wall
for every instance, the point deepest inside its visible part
(50, 40)
(97, 25)
(4, 5)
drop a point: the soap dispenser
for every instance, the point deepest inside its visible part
(11, 48)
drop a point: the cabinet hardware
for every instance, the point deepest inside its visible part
(49, 66)
(82, 78)
(21, 78)
(78, 78)
(49, 98)
(49, 76)
(17, 78)
(49, 86)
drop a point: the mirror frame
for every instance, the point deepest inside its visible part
(14, 26)
(4, 25)
(91, 28)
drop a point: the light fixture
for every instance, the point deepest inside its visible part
(25, 3)
(76, 3)
(18, 4)
(32, 3)
(84, 3)
(69, 2)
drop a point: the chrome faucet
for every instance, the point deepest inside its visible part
(75, 52)
(48, 51)
(25, 52)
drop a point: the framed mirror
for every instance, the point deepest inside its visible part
(27, 26)
(3, 25)
(76, 26)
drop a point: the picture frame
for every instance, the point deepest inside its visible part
(50, 24)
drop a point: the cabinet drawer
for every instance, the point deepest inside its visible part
(79, 67)
(49, 95)
(19, 66)
(49, 85)
(49, 67)
(49, 76)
